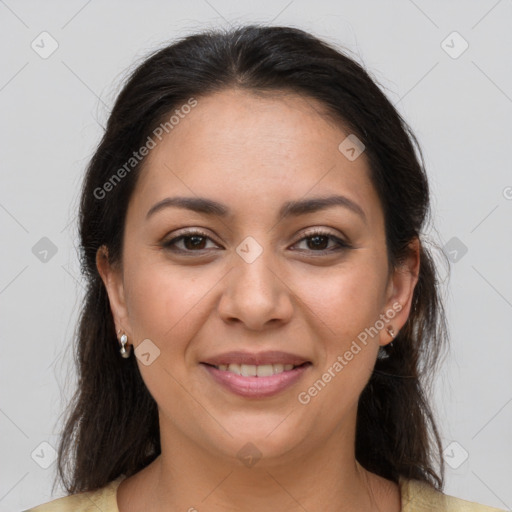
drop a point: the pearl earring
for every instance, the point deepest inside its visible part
(125, 353)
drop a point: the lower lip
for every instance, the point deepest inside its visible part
(256, 387)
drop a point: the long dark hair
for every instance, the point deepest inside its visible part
(112, 423)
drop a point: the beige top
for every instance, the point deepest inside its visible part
(416, 497)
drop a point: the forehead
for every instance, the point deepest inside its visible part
(255, 150)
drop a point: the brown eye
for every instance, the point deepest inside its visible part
(194, 241)
(319, 242)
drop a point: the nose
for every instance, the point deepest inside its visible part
(256, 294)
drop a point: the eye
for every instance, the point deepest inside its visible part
(196, 241)
(193, 241)
(318, 241)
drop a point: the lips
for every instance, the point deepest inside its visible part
(256, 375)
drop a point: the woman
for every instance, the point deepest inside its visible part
(261, 316)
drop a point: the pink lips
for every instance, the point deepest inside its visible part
(256, 387)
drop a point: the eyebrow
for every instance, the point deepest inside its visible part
(289, 209)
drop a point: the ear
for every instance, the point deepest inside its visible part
(402, 282)
(112, 278)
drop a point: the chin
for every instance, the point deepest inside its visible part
(267, 441)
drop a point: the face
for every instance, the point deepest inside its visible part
(300, 297)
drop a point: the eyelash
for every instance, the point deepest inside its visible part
(341, 245)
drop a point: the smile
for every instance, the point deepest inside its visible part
(255, 381)
(252, 370)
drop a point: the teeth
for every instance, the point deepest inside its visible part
(251, 370)
(248, 370)
(265, 370)
(235, 368)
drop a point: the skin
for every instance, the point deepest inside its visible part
(253, 153)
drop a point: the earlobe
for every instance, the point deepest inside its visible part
(391, 332)
(112, 279)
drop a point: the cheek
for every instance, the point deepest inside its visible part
(167, 306)
(165, 303)
(346, 299)
(344, 303)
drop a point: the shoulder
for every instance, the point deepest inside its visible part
(420, 497)
(103, 499)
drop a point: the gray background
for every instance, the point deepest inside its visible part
(53, 110)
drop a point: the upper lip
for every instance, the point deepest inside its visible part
(259, 358)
